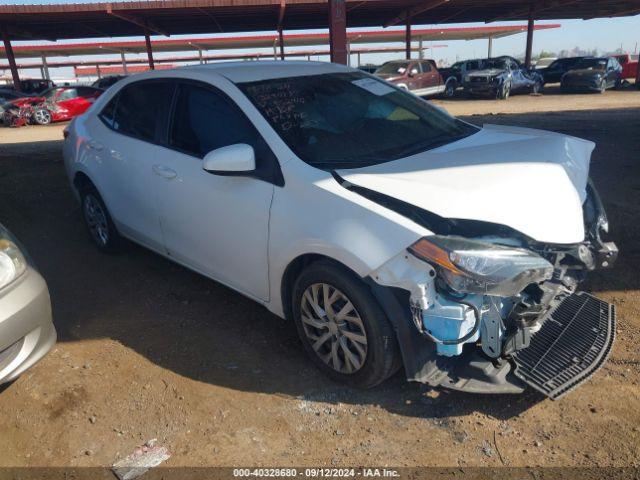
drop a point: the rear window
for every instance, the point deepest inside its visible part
(351, 120)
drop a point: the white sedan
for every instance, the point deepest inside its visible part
(391, 233)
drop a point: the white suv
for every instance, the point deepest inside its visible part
(390, 232)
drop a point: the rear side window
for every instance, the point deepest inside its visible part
(86, 92)
(426, 67)
(204, 120)
(108, 113)
(140, 110)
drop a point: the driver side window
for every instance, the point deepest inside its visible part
(204, 120)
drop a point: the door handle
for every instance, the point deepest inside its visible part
(164, 172)
(94, 145)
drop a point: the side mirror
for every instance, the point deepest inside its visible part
(239, 158)
(413, 72)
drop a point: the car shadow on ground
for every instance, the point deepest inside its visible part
(202, 330)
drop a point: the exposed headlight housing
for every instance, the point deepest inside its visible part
(471, 266)
(12, 262)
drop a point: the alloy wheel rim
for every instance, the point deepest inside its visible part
(450, 90)
(42, 116)
(334, 328)
(96, 219)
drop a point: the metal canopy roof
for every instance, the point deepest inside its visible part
(262, 41)
(171, 17)
(209, 57)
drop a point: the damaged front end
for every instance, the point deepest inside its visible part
(490, 310)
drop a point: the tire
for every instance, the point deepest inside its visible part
(504, 91)
(603, 86)
(42, 116)
(536, 88)
(450, 89)
(98, 221)
(376, 359)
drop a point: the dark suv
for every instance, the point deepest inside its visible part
(502, 76)
(554, 72)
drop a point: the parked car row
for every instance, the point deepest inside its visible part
(501, 76)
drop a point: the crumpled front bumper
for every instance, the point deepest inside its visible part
(574, 342)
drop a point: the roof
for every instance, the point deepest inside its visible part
(239, 72)
(263, 41)
(171, 17)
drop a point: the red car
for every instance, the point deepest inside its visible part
(57, 104)
(420, 77)
(629, 65)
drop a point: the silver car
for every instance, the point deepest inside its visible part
(26, 328)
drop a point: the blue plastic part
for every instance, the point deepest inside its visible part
(450, 320)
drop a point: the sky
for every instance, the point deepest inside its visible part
(604, 34)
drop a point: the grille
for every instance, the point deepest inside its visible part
(573, 343)
(479, 79)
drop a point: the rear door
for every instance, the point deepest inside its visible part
(217, 225)
(431, 78)
(125, 141)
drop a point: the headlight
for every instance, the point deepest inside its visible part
(467, 78)
(12, 261)
(471, 266)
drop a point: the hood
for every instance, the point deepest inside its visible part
(390, 77)
(24, 101)
(530, 180)
(485, 73)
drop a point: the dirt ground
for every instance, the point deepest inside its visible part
(148, 349)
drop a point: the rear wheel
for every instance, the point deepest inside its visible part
(342, 327)
(536, 88)
(98, 221)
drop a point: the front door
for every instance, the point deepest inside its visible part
(217, 225)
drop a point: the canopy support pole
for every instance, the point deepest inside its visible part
(281, 42)
(338, 31)
(530, 27)
(124, 63)
(12, 60)
(490, 50)
(147, 41)
(407, 38)
(45, 67)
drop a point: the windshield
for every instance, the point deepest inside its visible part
(497, 63)
(396, 68)
(591, 63)
(50, 93)
(351, 120)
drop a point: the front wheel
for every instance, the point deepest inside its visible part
(450, 89)
(342, 327)
(504, 91)
(603, 86)
(42, 116)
